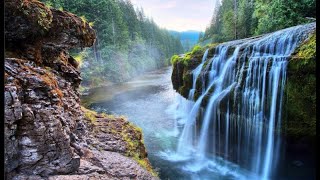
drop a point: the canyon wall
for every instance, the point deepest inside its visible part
(48, 135)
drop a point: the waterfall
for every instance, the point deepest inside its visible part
(244, 87)
(195, 74)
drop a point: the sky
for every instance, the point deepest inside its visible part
(179, 15)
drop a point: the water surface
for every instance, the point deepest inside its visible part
(150, 102)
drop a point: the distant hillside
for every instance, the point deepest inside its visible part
(188, 38)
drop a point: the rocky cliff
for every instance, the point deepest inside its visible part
(48, 135)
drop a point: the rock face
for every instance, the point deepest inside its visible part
(301, 90)
(47, 134)
(42, 111)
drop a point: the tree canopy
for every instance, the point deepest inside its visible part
(235, 19)
(128, 43)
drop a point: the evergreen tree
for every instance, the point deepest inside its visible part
(127, 44)
(236, 19)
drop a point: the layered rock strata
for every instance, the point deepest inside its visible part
(48, 135)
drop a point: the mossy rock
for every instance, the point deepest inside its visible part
(191, 56)
(124, 131)
(37, 13)
(212, 49)
(307, 50)
(300, 91)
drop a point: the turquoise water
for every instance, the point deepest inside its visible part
(150, 102)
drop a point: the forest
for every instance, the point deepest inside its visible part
(160, 89)
(237, 19)
(128, 42)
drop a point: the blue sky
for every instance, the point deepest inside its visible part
(179, 15)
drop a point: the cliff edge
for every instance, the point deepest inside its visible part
(48, 135)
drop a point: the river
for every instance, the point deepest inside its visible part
(150, 102)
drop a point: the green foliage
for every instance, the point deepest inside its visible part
(127, 42)
(184, 59)
(79, 57)
(197, 49)
(236, 19)
(275, 15)
(175, 59)
(48, 4)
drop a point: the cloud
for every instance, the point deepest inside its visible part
(178, 14)
(168, 5)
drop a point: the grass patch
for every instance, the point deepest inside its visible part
(89, 114)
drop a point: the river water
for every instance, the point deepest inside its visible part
(150, 102)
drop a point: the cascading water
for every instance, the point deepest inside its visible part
(195, 74)
(185, 141)
(244, 91)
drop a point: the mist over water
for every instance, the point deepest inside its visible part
(150, 102)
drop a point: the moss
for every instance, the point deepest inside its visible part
(186, 58)
(79, 58)
(300, 91)
(308, 49)
(146, 164)
(211, 46)
(91, 24)
(196, 51)
(175, 59)
(37, 12)
(132, 135)
(128, 133)
(182, 70)
(84, 19)
(89, 114)
(48, 4)
(301, 106)
(48, 78)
